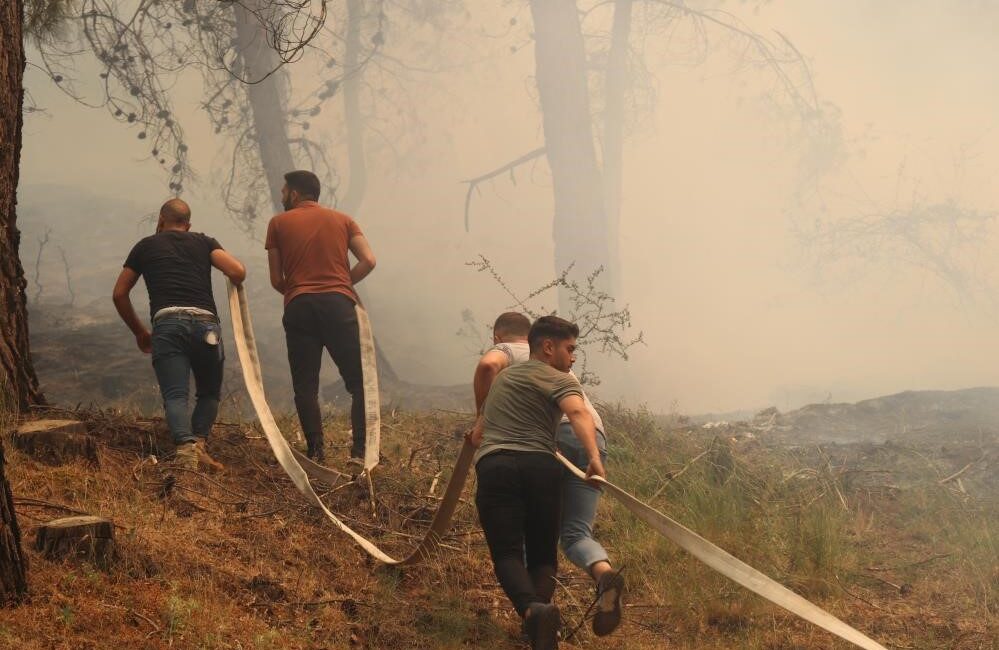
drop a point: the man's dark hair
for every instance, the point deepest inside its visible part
(550, 327)
(511, 323)
(304, 182)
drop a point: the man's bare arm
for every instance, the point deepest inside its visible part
(123, 303)
(229, 265)
(489, 366)
(586, 430)
(361, 249)
(277, 273)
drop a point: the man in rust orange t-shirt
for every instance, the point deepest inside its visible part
(307, 252)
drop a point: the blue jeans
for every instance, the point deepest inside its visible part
(579, 502)
(180, 348)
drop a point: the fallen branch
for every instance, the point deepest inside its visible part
(850, 593)
(156, 628)
(958, 473)
(672, 476)
(331, 601)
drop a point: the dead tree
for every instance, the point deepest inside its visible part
(69, 277)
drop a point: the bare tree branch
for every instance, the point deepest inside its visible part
(473, 183)
(601, 324)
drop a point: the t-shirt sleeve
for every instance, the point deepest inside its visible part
(134, 259)
(353, 230)
(505, 349)
(565, 385)
(213, 244)
(272, 235)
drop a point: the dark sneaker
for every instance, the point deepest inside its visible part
(542, 625)
(315, 447)
(608, 616)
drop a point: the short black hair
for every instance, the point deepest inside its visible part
(511, 323)
(550, 327)
(304, 182)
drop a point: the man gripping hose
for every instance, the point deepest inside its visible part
(518, 495)
(579, 497)
(307, 248)
(186, 338)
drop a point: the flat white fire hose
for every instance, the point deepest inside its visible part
(300, 469)
(729, 566)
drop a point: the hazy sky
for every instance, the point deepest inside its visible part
(733, 313)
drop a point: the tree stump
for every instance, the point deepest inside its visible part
(82, 538)
(55, 441)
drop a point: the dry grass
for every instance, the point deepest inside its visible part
(238, 561)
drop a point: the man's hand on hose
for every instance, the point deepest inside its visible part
(585, 430)
(595, 468)
(474, 435)
(145, 341)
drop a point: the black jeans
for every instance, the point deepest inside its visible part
(314, 321)
(519, 500)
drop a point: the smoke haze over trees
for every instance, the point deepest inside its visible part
(765, 260)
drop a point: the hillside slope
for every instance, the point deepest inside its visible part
(237, 560)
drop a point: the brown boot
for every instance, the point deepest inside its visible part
(204, 460)
(186, 456)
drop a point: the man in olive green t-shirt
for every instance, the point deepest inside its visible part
(518, 494)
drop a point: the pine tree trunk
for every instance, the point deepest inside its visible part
(353, 117)
(13, 581)
(580, 223)
(266, 91)
(17, 375)
(615, 85)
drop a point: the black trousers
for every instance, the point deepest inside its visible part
(312, 322)
(519, 500)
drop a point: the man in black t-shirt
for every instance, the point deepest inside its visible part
(186, 338)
